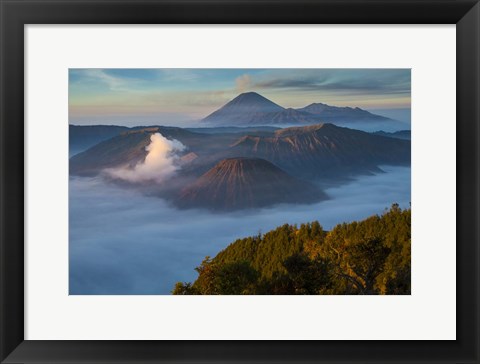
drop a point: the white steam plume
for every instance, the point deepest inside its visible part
(160, 163)
(243, 83)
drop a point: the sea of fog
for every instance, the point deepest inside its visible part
(122, 242)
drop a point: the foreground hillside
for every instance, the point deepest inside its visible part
(366, 257)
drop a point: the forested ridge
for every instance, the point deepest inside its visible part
(371, 256)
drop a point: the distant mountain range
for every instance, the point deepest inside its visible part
(401, 134)
(332, 113)
(265, 166)
(86, 136)
(252, 108)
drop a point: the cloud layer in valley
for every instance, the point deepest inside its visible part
(122, 242)
(160, 164)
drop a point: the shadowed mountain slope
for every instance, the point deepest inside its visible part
(82, 137)
(241, 183)
(323, 150)
(128, 148)
(125, 149)
(242, 109)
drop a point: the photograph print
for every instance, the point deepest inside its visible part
(239, 181)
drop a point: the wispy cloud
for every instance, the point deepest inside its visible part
(368, 81)
(95, 77)
(178, 74)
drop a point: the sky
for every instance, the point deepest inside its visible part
(184, 96)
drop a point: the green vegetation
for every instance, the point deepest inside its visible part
(366, 257)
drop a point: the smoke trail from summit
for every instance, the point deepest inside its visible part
(160, 164)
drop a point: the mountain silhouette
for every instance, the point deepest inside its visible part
(252, 109)
(242, 109)
(331, 113)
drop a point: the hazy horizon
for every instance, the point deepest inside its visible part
(399, 114)
(182, 97)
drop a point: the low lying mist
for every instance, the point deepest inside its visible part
(122, 242)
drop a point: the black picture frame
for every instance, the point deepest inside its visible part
(15, 14)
